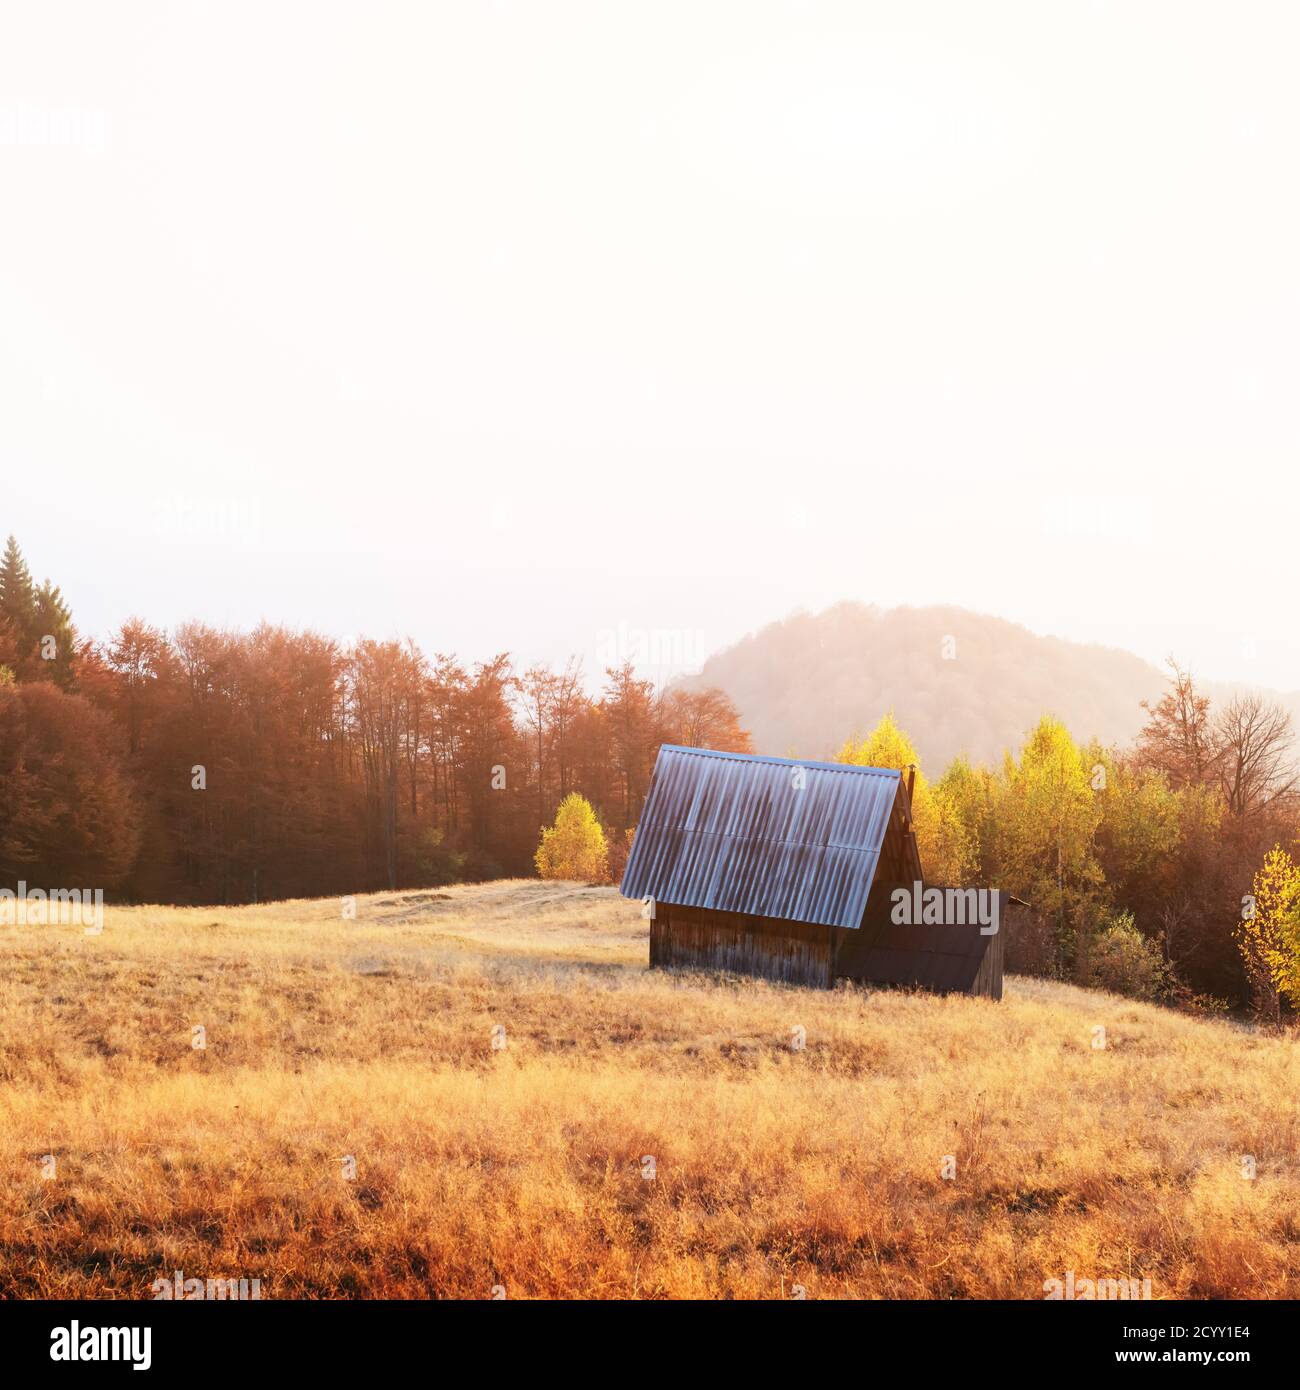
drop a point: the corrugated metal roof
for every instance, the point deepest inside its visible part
(733, 832)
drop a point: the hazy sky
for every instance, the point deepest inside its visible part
(511, 326)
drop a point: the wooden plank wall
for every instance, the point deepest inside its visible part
(801, 953)
(988, 983)
(699, 938)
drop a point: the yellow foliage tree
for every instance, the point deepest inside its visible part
(575, 846)
(947, 850)
(1048, 812)
(885, 746)
(966, 796)
(1268, 935)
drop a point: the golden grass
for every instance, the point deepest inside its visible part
(523, 1167)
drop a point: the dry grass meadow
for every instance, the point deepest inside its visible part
(523, 1167)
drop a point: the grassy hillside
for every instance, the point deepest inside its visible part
(523, 1167)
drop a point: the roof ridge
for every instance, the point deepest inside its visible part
(772, 759)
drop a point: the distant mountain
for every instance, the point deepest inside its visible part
(957, 682)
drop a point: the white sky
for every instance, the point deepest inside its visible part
(506, 326)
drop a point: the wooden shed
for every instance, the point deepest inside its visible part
(794, 871)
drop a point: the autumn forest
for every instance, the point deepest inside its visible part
(214, 767)
(211, 767)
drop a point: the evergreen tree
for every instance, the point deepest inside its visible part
(55, 638)
(37, 639)
(17, 593)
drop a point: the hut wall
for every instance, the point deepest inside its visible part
(700, 938)
(988, 983)
(946, 959)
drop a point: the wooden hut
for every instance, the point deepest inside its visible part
(792, 871)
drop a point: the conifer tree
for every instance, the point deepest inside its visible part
(37, 639)
(17, 593)
(55, 636)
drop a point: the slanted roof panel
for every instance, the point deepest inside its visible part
(737, 833)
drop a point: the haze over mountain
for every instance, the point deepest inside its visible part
(957, 681)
